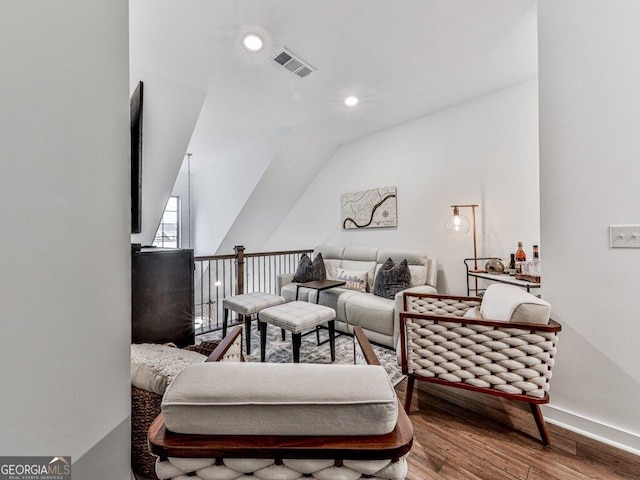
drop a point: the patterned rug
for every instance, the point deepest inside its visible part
(279, 351)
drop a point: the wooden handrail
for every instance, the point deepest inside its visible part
(230, 256)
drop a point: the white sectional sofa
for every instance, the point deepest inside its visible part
(378, 316)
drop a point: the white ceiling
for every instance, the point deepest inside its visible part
(402, 58)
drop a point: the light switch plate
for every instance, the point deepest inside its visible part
(624, 236)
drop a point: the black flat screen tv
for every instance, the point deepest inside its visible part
(136, 158)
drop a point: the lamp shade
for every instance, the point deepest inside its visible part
(457, 223)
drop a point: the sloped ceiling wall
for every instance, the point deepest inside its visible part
(169, 117)
(291, 171)
(220, 187)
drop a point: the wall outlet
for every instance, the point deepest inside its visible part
(624, 236)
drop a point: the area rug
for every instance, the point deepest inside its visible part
(279, 351)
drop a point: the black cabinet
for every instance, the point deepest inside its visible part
(162, 296)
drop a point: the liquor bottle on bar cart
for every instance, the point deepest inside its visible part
(521, 257)
(512, 265)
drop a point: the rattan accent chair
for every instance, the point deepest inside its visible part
(271, 457)
(145, 407)
(441, 343)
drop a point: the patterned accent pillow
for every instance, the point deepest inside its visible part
(392, 279)
(309, 271)
(355, 280)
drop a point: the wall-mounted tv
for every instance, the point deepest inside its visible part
(136, 158)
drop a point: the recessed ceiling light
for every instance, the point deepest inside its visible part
(351, 101)
(252, 42)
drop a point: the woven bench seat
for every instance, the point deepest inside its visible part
(348, 453)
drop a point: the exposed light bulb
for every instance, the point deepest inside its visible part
(252, 42)
(351, 101)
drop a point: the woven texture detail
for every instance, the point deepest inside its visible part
(234, 352)
(266, 469)
(251, 303)
(444, 306)
(507, 359)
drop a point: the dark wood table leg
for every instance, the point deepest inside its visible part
(297, 341)
(263, 339)
(332, 339)
(247, 330)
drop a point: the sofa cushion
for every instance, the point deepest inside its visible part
(512, 304)
(391, 279)
(418, 262)
(309, 271)
(280, 399)
(153, 367)
(335, 298)
(356, 280)
(371, 312)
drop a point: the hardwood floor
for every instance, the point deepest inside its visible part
(469, 436)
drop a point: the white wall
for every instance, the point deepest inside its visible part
(484, 151)
(221, 186)
(279, 188)
(589, 160)
(170, 113)
(64, 208)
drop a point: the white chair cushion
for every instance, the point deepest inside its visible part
(512, 304)
(280, 399)
(153, 367)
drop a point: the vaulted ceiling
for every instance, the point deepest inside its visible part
(403, 59)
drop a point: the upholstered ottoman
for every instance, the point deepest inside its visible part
(247, 305)
(296, 317)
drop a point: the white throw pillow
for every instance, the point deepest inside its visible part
(512, 304)
(355, 280)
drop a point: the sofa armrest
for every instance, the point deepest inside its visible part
(230, 348)
(281, 280)
(399, 306)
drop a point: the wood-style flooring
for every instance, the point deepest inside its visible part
(469, 436)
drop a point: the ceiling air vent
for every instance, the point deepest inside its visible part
(292, 62)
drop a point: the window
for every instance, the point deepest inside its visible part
(168, 234)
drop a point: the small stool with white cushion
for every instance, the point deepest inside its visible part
(247, 305)
(297, 317)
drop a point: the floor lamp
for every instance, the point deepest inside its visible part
(460, 224)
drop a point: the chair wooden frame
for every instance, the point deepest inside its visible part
(392, 446)
(446, 311)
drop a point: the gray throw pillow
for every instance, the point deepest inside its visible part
(392, 279)
(309, 271)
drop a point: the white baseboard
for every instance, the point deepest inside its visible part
(613, 436)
